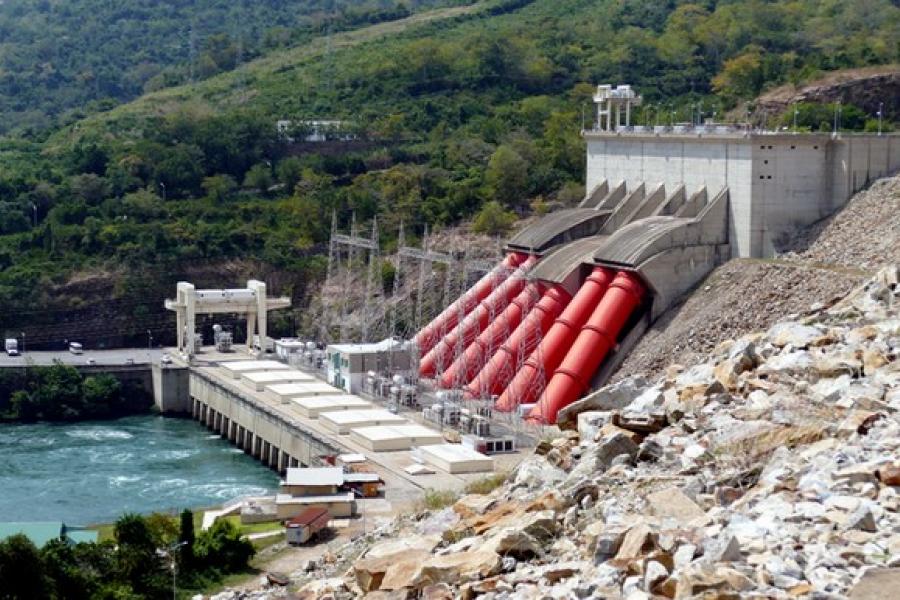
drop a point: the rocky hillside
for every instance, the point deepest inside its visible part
(868, 88)
(820, 264)
(770, 470)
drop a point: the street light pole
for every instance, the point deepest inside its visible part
(23, 342)
(34, 213)
(362, 509)
(163, 188)
(880, 115)
(170, 553)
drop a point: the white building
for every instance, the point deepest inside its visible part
(776, 181)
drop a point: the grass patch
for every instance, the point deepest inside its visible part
(249, 528)
(438, 499)
(487, 484)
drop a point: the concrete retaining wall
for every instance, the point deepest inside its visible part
(777, 182)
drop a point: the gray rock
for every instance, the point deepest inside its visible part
(612, 446)
(722, 549)
(654, 572)
(534, 472)
(684, 555)
(861, 518)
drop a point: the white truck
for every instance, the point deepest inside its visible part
(12, 347)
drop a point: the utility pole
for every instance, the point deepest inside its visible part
(796, 112)
(837, 117)
(880, 116)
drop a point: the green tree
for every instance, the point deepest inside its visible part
(219, 188)
(259, 177)
(102, 395)
(741, 76)
(289, 171)
(186, 538)
(493, 219)
(507, 176)
(22, 572)
(222, 547)
(136, 560)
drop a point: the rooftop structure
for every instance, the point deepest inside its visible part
(385, 438)
(614, 106)
(285, 392)
(251, 301)
(315, 476)
(312, 406)
(343, 421)
(454, 458)
(261, 379)
(237, 368)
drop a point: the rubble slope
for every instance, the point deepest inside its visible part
(770, 470)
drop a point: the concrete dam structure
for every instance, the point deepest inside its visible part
(665, 205)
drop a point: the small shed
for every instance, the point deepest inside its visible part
(367, 485)
(312, 481)
(307, 525)
(345, 420)
(338, 505)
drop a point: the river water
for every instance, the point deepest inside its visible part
(93, 472)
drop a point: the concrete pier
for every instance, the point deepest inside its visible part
(250, 424)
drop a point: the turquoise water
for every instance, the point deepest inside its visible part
(93, 472)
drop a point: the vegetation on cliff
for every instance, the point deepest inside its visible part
(461, 112)
(62, 393)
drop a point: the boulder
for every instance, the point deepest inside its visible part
(371, 573)
(889, 474)
(534, 472)
(460, 567)
(473, 504)
(637, 542)
(610, 397)
(699, 580)
(612, 446)
(794, 334)
(877, 584)
(510, 541)
(722, 549)
(672, 503)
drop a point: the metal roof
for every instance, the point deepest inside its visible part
(634, 243)
(559, 263)
(314, 476)
(558, 227)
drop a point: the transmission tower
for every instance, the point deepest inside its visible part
(343, 279)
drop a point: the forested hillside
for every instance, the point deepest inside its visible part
(471, 110)
(61, 59)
